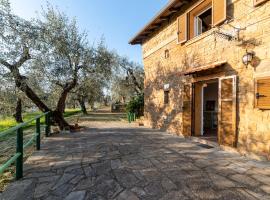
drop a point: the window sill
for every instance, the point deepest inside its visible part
(200, 37)
(262, 108)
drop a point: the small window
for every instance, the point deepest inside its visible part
(166, 97)
(203, 22)
(167, 53)
(262, 93)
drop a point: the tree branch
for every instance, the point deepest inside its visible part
(5, 63)
(25, 56)
(59, 84)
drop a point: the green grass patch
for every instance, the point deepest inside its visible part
(9, 122)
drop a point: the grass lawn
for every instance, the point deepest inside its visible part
(9, 122)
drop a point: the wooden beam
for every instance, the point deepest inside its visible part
(164, 18)
(153, 27)
(208, 77)
(185, 2)
(173, 10)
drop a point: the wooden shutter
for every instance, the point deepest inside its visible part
(227, 111)
(182, 28)
(258, 2)
(262, 93)
(187, 116)
(219, 11)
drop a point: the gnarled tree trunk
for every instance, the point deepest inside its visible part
(61, 104)
(18, 111)
(82, 104)
(58, 118)
(57, 115)
(21, 83)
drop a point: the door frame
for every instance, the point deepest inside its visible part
(206, 79)
(202, 109)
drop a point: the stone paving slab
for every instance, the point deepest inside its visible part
(115, 160)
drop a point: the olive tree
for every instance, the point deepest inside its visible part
(128, 80)
(53, 50)
(91, 84)
(17, 37)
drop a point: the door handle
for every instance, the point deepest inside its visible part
(258, 95)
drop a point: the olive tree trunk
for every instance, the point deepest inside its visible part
(82, 105)
(18, 111)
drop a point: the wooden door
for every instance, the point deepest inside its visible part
(227, 111)
(187, 116)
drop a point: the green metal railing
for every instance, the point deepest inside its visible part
(131, 117)
(20, 145)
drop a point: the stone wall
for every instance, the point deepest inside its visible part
(253, 124)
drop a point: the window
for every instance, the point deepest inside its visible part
(201, 18)
(203, 22)
(166, 97)
(167, 53)
(262, 93)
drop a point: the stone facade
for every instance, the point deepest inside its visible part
(253, 124)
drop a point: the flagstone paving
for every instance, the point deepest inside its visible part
(115, 160)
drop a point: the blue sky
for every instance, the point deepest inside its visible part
(117, 20)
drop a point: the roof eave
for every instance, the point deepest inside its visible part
(137, 38)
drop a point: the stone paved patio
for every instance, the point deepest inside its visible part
(115, 160)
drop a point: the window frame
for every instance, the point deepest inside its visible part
(196, 21)
(200, 7)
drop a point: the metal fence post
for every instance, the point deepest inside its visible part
(129, 117)
(48, 124)
(19, 149)
(38, 133)
(132, 117)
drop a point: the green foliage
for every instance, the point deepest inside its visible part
(127, 81)
(136, 105)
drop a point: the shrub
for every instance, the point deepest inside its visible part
(136, 105)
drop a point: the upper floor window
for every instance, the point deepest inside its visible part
(203, 21)
(201, 18)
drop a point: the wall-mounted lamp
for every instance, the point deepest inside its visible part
(248, 57)
(166, 87)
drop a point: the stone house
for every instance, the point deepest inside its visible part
(207, 72)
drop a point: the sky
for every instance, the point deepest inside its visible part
(116, 20)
